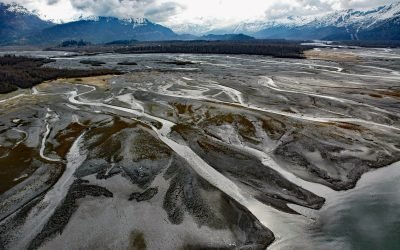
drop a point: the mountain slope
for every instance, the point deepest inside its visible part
(381, 23)
(16, 21)
(103, 30)
(226, 37)
(374, 24)
(388, 30)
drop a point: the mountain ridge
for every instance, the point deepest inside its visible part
(16, 21)
(349, 24)
(103, 29)
(20, 26)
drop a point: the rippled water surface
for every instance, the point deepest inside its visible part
(367, 217)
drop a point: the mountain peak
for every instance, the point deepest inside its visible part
(104, 29)
(138, 20)
(17, 21)
(130, 20)
(15, 8)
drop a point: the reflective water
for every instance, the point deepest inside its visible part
(367, 217)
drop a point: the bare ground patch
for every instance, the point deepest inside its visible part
(331, 56)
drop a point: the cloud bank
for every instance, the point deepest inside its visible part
(218, 12)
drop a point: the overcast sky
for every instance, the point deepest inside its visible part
(169, 12)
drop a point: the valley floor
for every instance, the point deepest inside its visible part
(203, 151)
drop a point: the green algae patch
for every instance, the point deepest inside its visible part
(137, 241)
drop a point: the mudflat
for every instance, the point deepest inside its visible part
(217, 151)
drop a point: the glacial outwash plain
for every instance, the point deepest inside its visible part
(203, 151)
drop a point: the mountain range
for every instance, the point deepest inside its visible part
(20, 26)
(380, 23)
(104, 29)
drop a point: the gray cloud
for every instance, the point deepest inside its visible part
(128, 8)
(355, 4)
(162, 12)
(166, 10)
(300, 8)
(52, 2)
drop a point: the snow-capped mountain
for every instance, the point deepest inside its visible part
(357, 18)
(15, 21)
(17, 9)
(247, 27)
(356, 24)
(104, 29)
(18, 25)
(125, 21)
(191, 28)
(374, 24)
(255, 26)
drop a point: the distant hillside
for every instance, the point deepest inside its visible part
(104, 30)
(226, 37)
(380, 23)
(16, 21)
(19, 26)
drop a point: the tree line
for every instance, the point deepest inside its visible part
(275, 48)
(283, 49)
(25, 72)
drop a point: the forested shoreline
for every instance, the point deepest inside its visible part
(25, 72)
(274, 48)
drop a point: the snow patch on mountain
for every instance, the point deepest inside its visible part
(291, 21)
(125, 21)
(361, 19)
(16, 9)
(351, 19)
